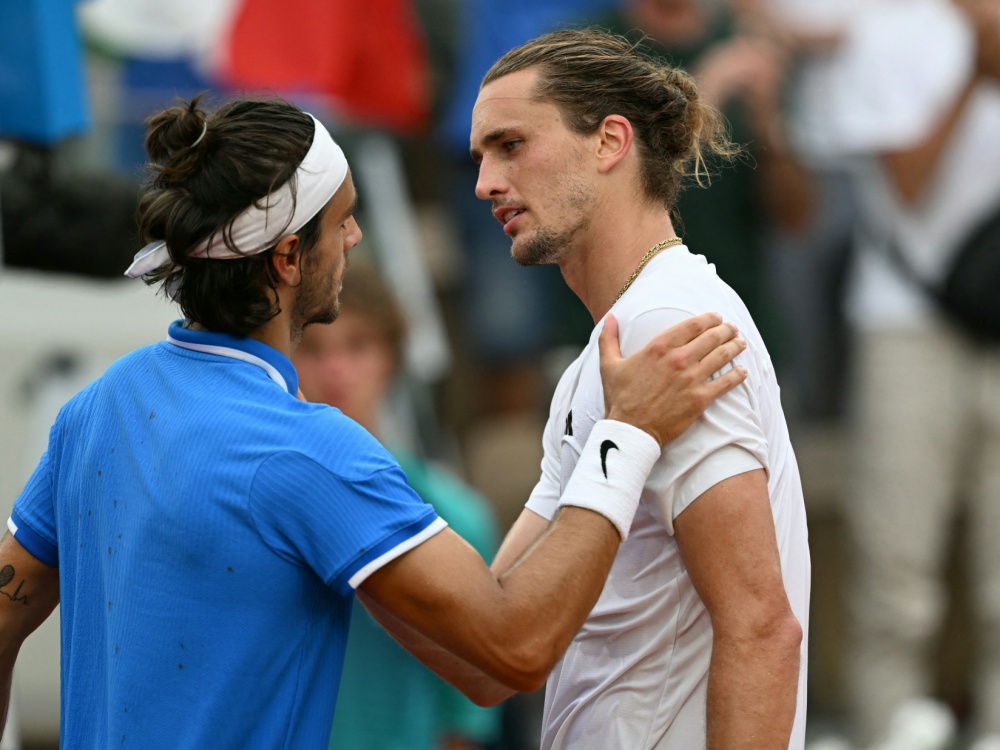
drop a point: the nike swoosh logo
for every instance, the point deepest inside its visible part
(605, 447)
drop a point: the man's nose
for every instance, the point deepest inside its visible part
(355, 234)
(489, 183)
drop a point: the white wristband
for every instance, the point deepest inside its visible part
(611, 472)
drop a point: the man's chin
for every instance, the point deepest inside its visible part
(521, 260)
(533, 252)
(325, 316)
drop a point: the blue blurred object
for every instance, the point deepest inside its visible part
(148, 85)
(42, 97)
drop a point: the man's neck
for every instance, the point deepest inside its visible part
(601, 263)
(278, 334)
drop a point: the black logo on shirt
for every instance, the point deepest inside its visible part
(605, 447)
(569, 423)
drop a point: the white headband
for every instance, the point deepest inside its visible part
(317, 178)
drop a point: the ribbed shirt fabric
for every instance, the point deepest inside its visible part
(209, 530)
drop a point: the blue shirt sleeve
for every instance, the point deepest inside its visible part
(32, 522)
(336, 525)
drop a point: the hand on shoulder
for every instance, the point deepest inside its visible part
(664, 387)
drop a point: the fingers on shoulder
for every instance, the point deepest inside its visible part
(725, 382)
(608, 340)
(692, 328)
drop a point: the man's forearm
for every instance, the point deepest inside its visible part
(752, 689)
(475, 684)
(6, 671)
(20, 615)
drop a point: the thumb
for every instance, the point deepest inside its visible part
(607, 342)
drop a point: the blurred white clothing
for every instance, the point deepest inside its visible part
(926, 429)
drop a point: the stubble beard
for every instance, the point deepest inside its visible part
(545, 246)
(541, 248)
(317, 303)
(327, 314)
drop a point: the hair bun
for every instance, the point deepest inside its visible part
(172, 137)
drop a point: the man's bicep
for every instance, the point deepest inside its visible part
(727, 540)
(29, 591)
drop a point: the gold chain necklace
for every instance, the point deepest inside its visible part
(645, 259)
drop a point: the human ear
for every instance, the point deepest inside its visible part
(287, 261)
(614, 136)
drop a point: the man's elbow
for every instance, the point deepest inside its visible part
(488, 696)
(781, 635)
(506, 681)
(524, 666)
(530, 682)
(527, 676)
(789, 633)
(777, 633)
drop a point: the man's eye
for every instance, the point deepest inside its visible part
(511, 144)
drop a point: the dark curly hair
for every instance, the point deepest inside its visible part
(196, 188)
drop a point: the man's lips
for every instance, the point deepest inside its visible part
(506, 215)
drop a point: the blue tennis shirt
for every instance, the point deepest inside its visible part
(209, 531)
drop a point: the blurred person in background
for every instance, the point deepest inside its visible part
(908, 94)
(387, 699)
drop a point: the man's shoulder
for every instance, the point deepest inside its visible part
(83, 402)
(334, 441)
(131, 365)
(674, 291)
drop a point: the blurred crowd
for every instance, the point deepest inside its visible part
(870, 157)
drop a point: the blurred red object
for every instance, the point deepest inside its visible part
(368, 57)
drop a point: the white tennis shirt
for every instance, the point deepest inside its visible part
(635, 676)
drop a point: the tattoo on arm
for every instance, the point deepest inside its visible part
(6, 576)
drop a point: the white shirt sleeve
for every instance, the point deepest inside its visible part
(725, 441)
